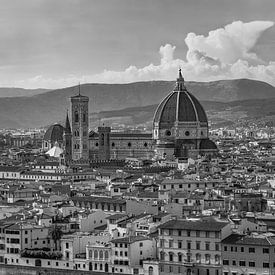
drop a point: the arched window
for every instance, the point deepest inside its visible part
(217, 259)
(198, 257)
(101, 255)
(90, 254)
(96, 254)
(76, 116)
(106, 255)
(150, 270)
(207, 258)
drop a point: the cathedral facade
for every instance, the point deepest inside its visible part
(180, 131)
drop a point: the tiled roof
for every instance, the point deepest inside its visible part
(262, 240)
(130, 239)
(201, 225)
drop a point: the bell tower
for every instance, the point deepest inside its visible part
(80, 126)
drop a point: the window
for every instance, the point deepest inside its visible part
(266, 250)
(170, 243)
(161, 243)
(225, 248)
(225, 262)
(251, 264)
(140, 244)
(188, 245)
(179, 232)
(198, 245)
(76, 116)
(241, 263)
(84, 117)
(207, 246)
(67, 245)
(234, 262)
(188, 233)
(265, 265)
(198, 233)
(207, 234)
(251, 249)
(207, 258)
(217, 246)
(168, 133)
(171, 257)
(198, 258)
(179, 244)
(179, 257)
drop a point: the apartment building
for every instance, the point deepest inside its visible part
(192, 246)
(251, 254)
(128, 254)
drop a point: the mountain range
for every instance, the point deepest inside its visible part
(136, 102)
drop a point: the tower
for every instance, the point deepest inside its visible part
(80, 126)
(104, 143)
(67, 136)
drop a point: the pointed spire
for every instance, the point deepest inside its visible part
(79, 89)
(67, 125)
(180, 82)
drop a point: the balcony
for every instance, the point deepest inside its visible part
(189, 263)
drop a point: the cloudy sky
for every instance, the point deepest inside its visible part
(58, 43)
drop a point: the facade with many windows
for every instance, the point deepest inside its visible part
(251, 254)
(191, 246)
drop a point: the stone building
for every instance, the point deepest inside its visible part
(180, 130)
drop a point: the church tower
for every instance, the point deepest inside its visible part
(80, 126)
(67, 137)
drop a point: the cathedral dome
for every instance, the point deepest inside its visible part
(179, 106)
(54, 133)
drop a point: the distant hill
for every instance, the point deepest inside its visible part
(218, 113)
(50, 107)
(19, 92)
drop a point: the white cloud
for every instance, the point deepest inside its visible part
(223, 54)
